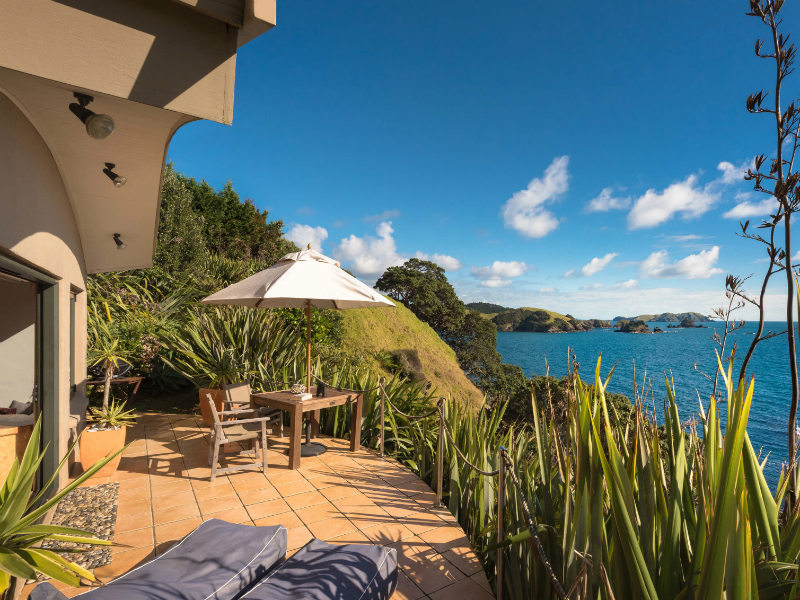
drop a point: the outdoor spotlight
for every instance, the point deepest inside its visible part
(118, 180)
(120, 244)
(97, 126)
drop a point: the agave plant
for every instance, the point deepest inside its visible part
(112, 417)
(223, 343)
(21, 554)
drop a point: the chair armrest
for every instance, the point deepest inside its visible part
(240, 421)
(269, 411)
(237, 411)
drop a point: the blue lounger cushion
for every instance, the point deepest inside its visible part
(321, 571)
(216, 561)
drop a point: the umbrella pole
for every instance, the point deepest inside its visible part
(308, 346)
(309, 448)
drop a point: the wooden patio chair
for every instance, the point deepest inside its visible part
(237, 395)
(237, 429)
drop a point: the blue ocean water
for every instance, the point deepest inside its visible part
(674, 353)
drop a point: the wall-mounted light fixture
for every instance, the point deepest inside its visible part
(98, 126)
(119, 180)
(120, 244)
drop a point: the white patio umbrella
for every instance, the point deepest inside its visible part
(301, 280)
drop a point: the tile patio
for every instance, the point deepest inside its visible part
(340, 497)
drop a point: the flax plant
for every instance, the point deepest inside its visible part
(622, 509)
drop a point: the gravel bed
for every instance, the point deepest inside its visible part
(92, 508)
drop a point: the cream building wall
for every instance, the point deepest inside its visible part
(37, 226)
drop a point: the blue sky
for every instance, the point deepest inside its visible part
(575, 156)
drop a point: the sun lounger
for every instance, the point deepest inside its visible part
(321, 571)
(223, 561)
(215, 561)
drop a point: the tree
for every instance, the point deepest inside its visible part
(235, 228)
(181, 243)
(779, 181)
(423, 288)
(475, 345)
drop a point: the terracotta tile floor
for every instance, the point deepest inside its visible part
(340, 497)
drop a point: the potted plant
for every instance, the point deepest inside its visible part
(21, 556)
(105, 352)
(209, 351)
(105, 436)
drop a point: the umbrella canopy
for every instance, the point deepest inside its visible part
(298, 279)
(301, 280)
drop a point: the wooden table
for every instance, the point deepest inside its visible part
(283, 400)
(134, 381)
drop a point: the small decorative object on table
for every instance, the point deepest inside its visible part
(297, 388)
(321, 390)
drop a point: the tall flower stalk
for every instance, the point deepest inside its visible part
(776, 177)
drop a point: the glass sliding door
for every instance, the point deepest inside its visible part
(29, 357)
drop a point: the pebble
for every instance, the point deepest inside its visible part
(94, 509)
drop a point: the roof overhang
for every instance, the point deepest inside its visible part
(250, 17)
(178, 55)
(153, 66)
(137, 147)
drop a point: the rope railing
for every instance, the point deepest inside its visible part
(532, 527)
(440, 408)
(503, 461)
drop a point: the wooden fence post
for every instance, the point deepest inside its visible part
(501, 515)
(383, 408)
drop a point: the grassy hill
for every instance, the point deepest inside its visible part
(372, 330)
(528, 318)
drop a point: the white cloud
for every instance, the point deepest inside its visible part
(796, 257)
(525, 211)
(591, 286)
(730, 173)
(500, 269)
(370, 255)
(495, 282)
(626, 285)
(689, 237)
(569, 274)
(684, 197)
(303, 235)
(382, 216)
(597, 264)
(499, 273)
(547, 290)
(447, 262)
(752, 209)
(606, 201)
(694, 266)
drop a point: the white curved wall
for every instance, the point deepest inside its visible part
(37, 225)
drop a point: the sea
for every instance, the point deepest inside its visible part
(683, 355)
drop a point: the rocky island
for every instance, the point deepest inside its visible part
(687, 323)
(668, 317)
(534, 319)
(634, 326)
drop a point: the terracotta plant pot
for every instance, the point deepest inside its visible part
(96, 445)
(218, 395)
